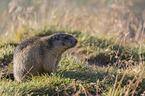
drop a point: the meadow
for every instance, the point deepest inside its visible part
(107, 61)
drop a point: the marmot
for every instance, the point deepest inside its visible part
(39, 55)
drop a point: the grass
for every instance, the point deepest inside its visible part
(108, 59)
(88, 71)
(75, 77)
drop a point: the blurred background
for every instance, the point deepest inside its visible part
(121, 18)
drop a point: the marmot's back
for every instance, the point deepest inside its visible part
(40, 54)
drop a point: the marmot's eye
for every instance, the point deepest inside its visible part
(65, 37)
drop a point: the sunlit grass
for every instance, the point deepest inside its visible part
(77, 75)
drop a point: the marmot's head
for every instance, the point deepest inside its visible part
(62, 41)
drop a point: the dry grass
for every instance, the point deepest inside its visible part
(114, 20)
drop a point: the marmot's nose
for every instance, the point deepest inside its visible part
(76, 41)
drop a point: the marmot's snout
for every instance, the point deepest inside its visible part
(74, 42)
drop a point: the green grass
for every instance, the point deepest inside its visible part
(99, 67)
(75, 77)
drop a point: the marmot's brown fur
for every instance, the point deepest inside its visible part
(39, 55)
